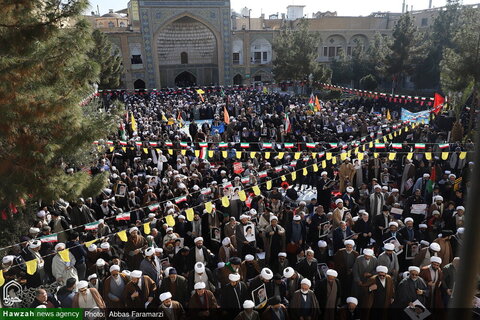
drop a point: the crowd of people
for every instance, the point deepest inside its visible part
(377, 235)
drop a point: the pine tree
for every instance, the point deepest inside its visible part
(45, 74)
(296, 54)
(109, 60)
(405, 51)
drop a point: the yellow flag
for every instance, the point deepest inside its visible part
(444, 155)
(170, 151)
(349, 153)
(314, 155)
(133, 123)
(170, 220)
(400, 131)
(241, 195)
(329, 155)
(463, 154)
(269, 184)
(377, 141)
(392, 155)
(267, 155)
(145, 150)
(343, 156)
(410, 155)
(334, 160)
(146, 228)
(428, 155)
(238, 154)
(280, 155)
(305, 171)
(252, 154)
(364, 147)
(89, 243)
(315, 167)
(65, 255)
(124, 149)
(283, 178)
(375, 155)
(385, 139)
(2, 279)
(356, 150)
(225, 202)
(389, 117)
(395, 133)
(111, 149)
(183, 152)
(197, 153)
(99, 148)
(190, 214)
(208, 206)
(360, 156)
(224, 154)
(294, 175)
(390, 136)
(324, 164)
(210, 153)
(406, 129)
(123, 235)
(256, 190)
(370, 144)
(163, 117)
(31, 266)
(297, 155)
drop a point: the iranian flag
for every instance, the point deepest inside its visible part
(203, 144)
(321, 154)
(183, 144)
(95, 142)
(92, 225)
(169, 143)
(137, 143)
(278, 168)
(396, 145)
(363, 139)
(333, 145)
(123, 143)
(123, 216)
(443, 145)
(344, 146)
(244, 145)
(288, 145)
(180, 199)
(267, 145)
(310, 145)
(288, 125)
(153, 144)
(49, 238)
(245, 179)
(223, 145)
(206, 191)
(228, 184)
(293, 163)
(380, 145)
(204, 153)
(419, 145)
(262, 174)
(154, 207)
(110, 142)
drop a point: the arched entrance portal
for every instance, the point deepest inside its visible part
(139, 84)
(185, 79)
(237, 80)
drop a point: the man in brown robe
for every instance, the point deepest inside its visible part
(344, 260)
(304, 305)
(133, 249)
(203, 304)
(172, 309)
(139, 292)
(113, 300)
(328, 292)
(433, 277)
(83, 292)
(346, 173)
(380, 294)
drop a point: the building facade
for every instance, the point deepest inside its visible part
(168, 43)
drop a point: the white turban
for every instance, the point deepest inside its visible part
(249, 257)
(164, 296)
(413, 268)
(82, 284)
(382, 269)
(288, 272)
(368, 252)
(322, 244)
(199, 285)
(436, 259)
(199, 267)
(352, 300)
(248, 304)
(435, 247)
(136, 274)
(389, 246)
(198, 239)
(234, 277)
(332, 273)
(307, 282)
(266, 274)
(114, 267)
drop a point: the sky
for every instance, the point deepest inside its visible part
(343, 7)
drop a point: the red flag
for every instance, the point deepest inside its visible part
(226, 116)
(438, 103)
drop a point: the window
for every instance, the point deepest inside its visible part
(339, 51)
(111, 24)
(257, 57)
(257, 78)
(325, 51)
(265, 56)
(331, 51)
(136, 59)
(424, 22)
(122, 24)
(184, 58)
(349, 51)
(236, 58)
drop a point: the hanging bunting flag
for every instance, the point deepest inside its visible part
(267, 155)
(225, 202)
(294, 176)
(280, 155)
(278, 168)
(242, 196)
(89, 243)
(238, 154)
(146, 228)
(203, 144)
(208, 206)
(329, 156)
(190, 214)
(343, 156)
(360, 156)
(154, 207)
(245, 180)
(443, 145)
(92, 225)
(310, 145)
(153, 144)
(256, 190)
(180, 199)
(315, 167)
(2, 279)
(288, 145)
(244, 145)
(428, 155)
(333, 145)
(223, 145)
(396, 145)
(183, 144)
(283, 178)
(31, 266)
(123, 216)
(462, 155)
(252, 154)
(324, 164)
(49, 238)
(293, 164)
(267, 145)
(269, 184)
(392, 155)
(334, 160)
(262, 174)
(305, 172)
(65, 255)
(197, 153)
(124, 143)
(410, 155)
(297, 155)
(375, 155)
(419, 145)
(169, 143)
(380, 145)
(206, 191)
(224, 154)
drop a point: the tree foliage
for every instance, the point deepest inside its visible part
(108, 59)
(406, 50)
(45, 73)
(296, 54)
